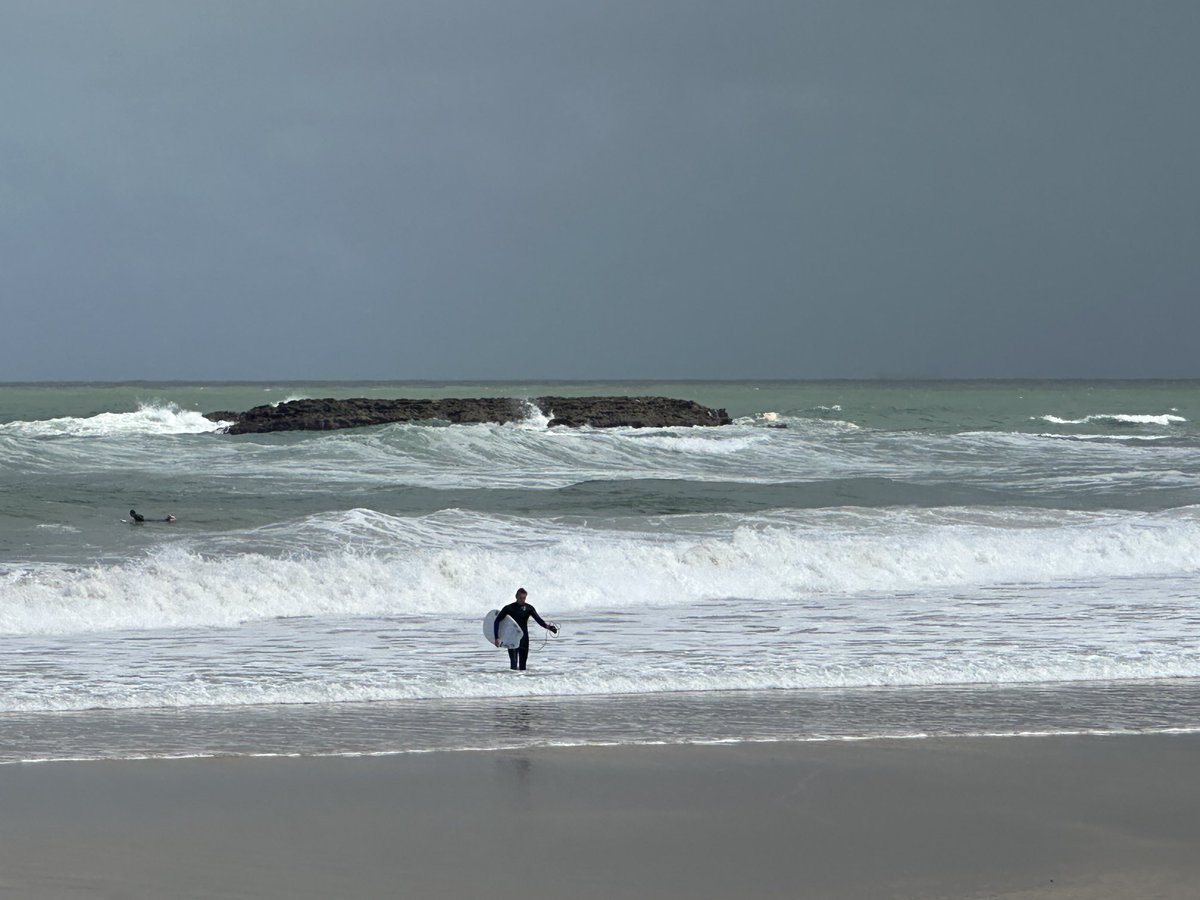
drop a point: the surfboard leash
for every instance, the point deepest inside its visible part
(547, 634)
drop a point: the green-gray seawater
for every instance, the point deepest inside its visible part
(839, 536)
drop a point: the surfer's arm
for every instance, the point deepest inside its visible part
(496, 623)
(538, 619)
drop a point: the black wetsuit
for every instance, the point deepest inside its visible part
(520, 613)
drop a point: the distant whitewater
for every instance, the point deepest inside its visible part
(165, 418)
(927, 541)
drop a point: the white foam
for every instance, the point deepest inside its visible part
(399, 660)
(147, 419)
(1118, 419)
(813, 426)
(534, 417)
(1106, 437)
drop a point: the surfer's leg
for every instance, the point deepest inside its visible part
(512, 658)
(523, 652)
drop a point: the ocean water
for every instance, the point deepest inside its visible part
(848, 560)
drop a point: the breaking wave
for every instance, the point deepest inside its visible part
(363, 563)
(147, 419)
(1118, 419)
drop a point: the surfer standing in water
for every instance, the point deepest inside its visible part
(520, 612)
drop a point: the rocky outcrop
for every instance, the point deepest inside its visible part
(597, 412)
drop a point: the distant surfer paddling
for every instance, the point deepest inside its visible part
(136, 518)
(520, 612)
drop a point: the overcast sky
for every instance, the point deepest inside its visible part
(644, 189)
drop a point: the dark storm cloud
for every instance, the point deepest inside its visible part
(469, 190)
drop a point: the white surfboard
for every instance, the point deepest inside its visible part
(510, 631)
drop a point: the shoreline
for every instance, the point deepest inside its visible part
(483, 724)
(1052, 817)
(599, 746)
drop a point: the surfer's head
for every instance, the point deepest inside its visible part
(521, 595)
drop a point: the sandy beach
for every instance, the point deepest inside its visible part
(1047, 817)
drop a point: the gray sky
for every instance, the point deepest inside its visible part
(641, 189)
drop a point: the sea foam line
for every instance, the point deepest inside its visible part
(600, 744)
(1119, 419)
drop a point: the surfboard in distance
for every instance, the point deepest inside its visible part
(510, 631)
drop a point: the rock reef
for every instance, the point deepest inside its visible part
(575, 412)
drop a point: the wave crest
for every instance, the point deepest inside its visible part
(149, 418)
(1118, 419)
(459, 563)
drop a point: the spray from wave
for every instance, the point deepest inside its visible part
(149, 418)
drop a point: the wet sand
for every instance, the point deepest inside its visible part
(1062, 818)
